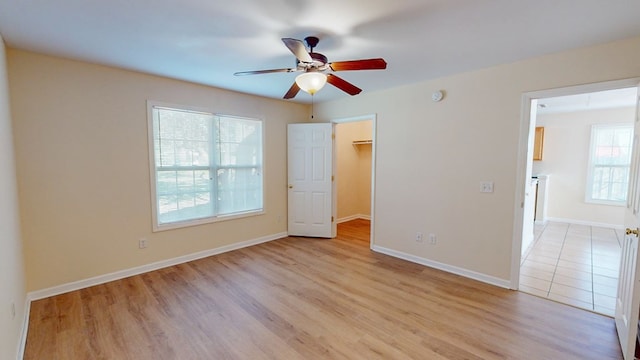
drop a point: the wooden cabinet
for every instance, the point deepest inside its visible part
(538, 142)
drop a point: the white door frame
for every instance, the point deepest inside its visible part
(523, 169)
(373, 118)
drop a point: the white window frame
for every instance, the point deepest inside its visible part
(591, 166)
(152, 171)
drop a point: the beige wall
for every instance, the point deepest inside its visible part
(431, 157)
(567, 138)
(83, 168)
(12, 275)
(82, 165)
(353, 170)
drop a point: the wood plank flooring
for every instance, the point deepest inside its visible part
(302, 298)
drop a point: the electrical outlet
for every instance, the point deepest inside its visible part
(432, 239)
(142, 243)
(486, 187)
(419, 237)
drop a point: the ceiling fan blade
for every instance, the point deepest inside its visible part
(257, 72)
(298, 49)
(365, 64)
(293, 91)
(343, 85)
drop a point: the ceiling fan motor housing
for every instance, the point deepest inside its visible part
(318, 59)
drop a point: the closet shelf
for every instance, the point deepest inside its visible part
(362, 142)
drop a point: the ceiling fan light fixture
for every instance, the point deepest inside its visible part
(311, 82)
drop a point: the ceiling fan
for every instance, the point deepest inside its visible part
(313, 66)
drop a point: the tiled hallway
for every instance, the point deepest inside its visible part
(574, 264)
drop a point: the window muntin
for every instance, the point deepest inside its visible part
(205, 166)
(609, 164)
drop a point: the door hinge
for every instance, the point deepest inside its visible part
(333, 136)
(332, 219)
(332, 177)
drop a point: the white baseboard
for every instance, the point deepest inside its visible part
(444, 267)
(584, 222)
(101, 279)
(353, 217)
(25, 329)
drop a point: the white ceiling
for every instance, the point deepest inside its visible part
(609, 99)
(206, 41)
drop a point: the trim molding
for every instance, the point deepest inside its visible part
(101, 279)
(584, 222)
(353, 217)
(503, 283)
(25, 328)
(528, 250)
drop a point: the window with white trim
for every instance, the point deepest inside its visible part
(204, 166)
(609, 164)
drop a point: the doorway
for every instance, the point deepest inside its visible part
(354, 159)
(570, 245)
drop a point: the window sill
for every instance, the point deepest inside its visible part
(605, 202)
(208, 220)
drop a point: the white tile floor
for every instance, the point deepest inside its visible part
(574, 264)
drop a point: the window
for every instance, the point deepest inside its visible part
(609, 164)
(203, 166)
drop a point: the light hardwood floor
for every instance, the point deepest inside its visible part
(302, 298)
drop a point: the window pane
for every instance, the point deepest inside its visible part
(183, 207)
(613, 145)
(239, 141)
(181, 137)
(619, 184)
(185, 181)
(183, 195)
(239, 176)
(189, 148)
(166, 182)
(239, 189)
(202, 181)
(610, 161)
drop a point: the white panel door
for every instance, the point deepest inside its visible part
(310, 169)
(628, 297)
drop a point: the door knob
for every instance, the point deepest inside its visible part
(290, 186)
(632, 231)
